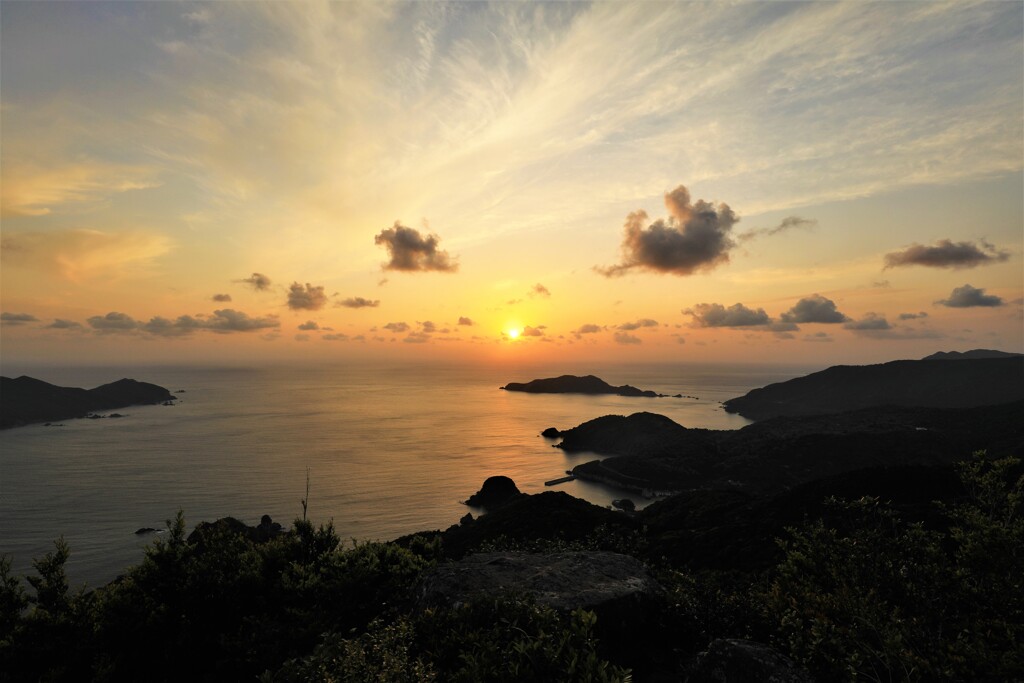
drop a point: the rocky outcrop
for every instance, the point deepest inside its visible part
(594, 580)
(266, 530)
(727, 660)
(25, 400)
(495, 492)
(571, 384)
(967, 383)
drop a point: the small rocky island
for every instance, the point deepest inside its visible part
(25, 400)
(572, 384)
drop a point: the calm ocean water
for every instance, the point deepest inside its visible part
(391, 449)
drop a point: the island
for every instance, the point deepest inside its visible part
(26, 400)
(573, 384)
(933, 382)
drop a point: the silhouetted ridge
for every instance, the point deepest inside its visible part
(967, 355)
(572, 384)
(24, 400)
(968, 383)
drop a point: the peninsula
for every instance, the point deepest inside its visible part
(572, 384)
(25, 400)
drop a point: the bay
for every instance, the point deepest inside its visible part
(390, 448)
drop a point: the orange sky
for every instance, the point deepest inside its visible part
(812, 182)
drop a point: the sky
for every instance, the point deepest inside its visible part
(621, 181)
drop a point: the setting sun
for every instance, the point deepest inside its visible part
(513, 333)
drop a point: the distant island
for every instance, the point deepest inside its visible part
(25, 400)
(572, 384)
(977, 378)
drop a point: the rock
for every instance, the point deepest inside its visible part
(550, 433)
(495, 492)
(620, 591)
(728, 660)
(624, 504)
(565, 581)
(180, 391)
(144, 530)
(115, 415)
(466, 519)
(266, 530)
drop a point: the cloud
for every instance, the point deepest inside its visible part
(410, 251)
(335, 337)
(112, 322)
(310, 325)
(540, 290)
(417, 338)
(17, 318)
(33, 191)
(257, 281)
(223, 298)
(308, 298)
(693, 238)
(428, 326)
(871, 322)
(397, 328)
(513, 302)
(788, 223)
(813, 309)
(533, 331)
(463, 320)
(221, 321)
(626, 338)
(78, 255)
(717, 315)
(645, 322)
(970, 297)
(358, 302)
(230, 320)
(818, 337)
(947, 254)
(62, 324)
(588, 328)
(912, 316)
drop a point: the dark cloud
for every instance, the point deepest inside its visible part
(788, 223)
(970, 297)
(417, 338)
(411, 251)
(310, 325)
(871, 322)
(113, 322)
(463, 320)
(308, 298)
(534, 331)
(717, 315)
(694, 237)
(257, 281)
(636, 325)
(17, 318)
(912, 316)
(223, 298)
(813, 309)
(230, 320)
(947, 254)
(358, 302)
(588, 328)
(540, 290)
(165, 327)
(61, 324)
(428, 326)
(397, 328)
(335, 337)
(627, 338)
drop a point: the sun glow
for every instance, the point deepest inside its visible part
(513, 333)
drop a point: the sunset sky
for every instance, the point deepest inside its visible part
(793, 182)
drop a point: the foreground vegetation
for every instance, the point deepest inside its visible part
(860, 595)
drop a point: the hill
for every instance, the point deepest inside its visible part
(24, 400)
(968, 383)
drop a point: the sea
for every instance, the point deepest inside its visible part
(387, 449)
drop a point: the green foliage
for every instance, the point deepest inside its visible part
(509, 638)
(876, 599)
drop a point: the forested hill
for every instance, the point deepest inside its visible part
(929, 383)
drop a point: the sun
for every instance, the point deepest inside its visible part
(513, 333)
